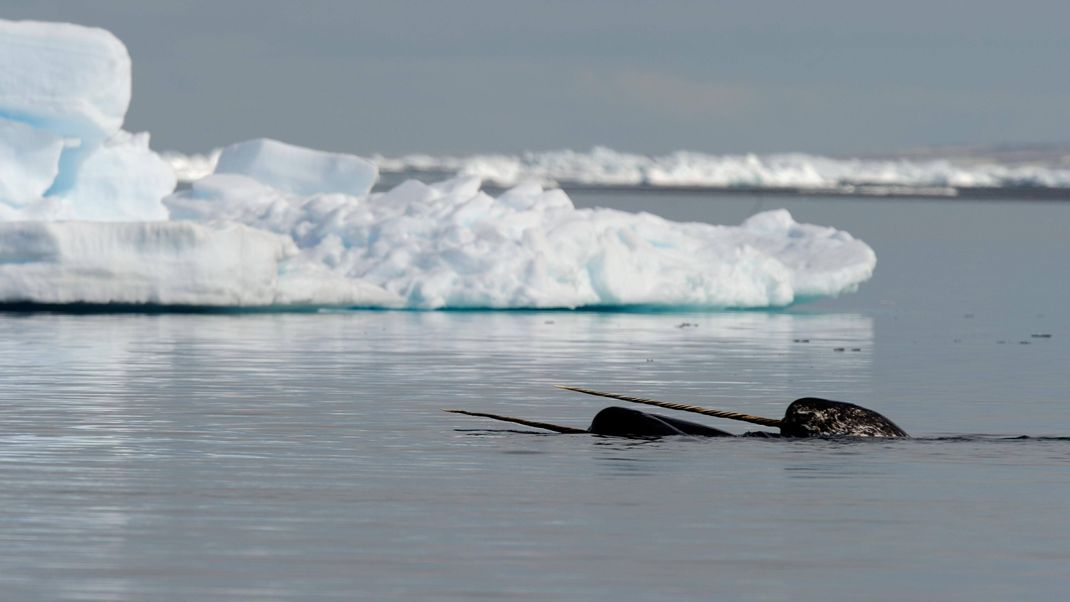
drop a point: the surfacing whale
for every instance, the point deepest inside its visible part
(805, 417)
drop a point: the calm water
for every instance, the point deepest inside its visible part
(302, 456)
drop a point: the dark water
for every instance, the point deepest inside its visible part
(305, 456)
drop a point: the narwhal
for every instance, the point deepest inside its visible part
(806, 417)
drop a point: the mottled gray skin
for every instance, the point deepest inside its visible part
(806, 417)
(815, 417)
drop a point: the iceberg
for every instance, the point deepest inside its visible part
(88, 214)
(68, 79)
(296, 169)
(64, 92)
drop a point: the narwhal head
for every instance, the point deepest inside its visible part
(815, 417)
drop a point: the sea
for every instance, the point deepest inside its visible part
(148, 455)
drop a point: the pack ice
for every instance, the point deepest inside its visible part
(606, 167)
(88, 215)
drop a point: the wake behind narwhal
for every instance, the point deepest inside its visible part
(805, 417)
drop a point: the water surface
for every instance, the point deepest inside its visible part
(305, 456)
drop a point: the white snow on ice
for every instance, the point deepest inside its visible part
(71, 80)
(451, 245)
(64, 91)
(190, 167)
(29, 162)
(298, 170)
(87, 215)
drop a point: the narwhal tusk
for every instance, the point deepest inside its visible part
(542, 425)
(679, 406)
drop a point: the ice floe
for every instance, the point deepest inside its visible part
(451, 245)
(88, 215)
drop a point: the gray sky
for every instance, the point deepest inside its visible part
(399, 76)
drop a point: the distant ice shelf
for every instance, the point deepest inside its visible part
(606, 167)
(919, 174)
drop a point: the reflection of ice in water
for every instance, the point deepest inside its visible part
(686, 352)
(256, 364)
